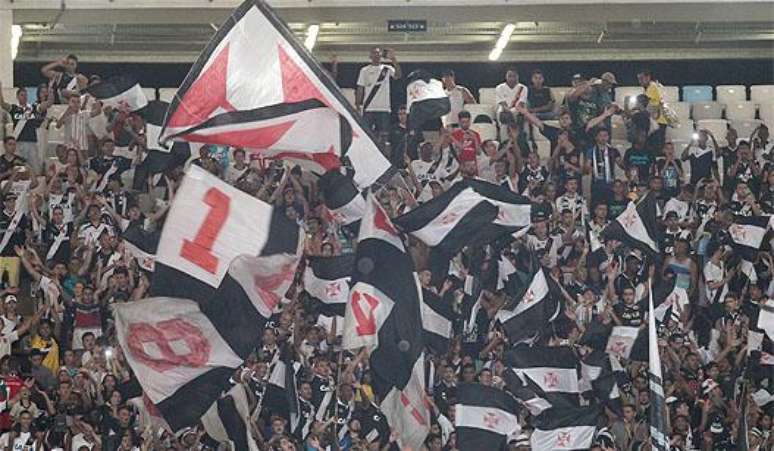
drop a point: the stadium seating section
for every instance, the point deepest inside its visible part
(712, 108)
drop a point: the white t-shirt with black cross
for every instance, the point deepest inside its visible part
(368, 81)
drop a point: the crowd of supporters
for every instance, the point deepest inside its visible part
(63, 264)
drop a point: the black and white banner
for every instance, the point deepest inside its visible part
(228, 420)
(120, 92)
(484, 417)
(565, 429)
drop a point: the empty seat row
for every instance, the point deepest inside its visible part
(723, 94)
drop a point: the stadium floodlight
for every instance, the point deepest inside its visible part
(311, 36)
(505, 36)
(16, 34)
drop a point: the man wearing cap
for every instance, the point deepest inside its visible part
(14, 230)
(603, 89)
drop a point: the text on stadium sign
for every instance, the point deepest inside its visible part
(407, 25)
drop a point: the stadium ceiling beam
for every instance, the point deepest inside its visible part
(215, 11)
(674, 54)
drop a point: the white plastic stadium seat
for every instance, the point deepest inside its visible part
(55, 135)
(718, 127)
(766, 113)
(744, 129)
(486, 131)
(730, 93)
(9, 95)
(476, 109)
(707, 110)
(618, 127)
(683, 110)
(762, 93)
(671, 94)
(349, 94)
(543, 151)
(166, 94)
(681, 132)
(622, 92)
(559, 93)
(487, 96)
(56, 111)
(150, 93)
(740, 110)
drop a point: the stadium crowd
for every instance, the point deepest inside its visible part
(65, 381)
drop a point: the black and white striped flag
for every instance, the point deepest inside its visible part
(327, 280)
(281, 397)
(470, 213)
(344, 201)
(532, 309)
(747, 234)
(600, 373)
(228, 420)
(552, 368)
(566, 428)
(527, 392)
(119, 92)
(638, 226)
(437, 315)
(485, 417)
(659, 435)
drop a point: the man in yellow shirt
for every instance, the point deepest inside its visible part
(655, 104)
(45, 342)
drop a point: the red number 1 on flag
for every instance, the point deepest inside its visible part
(199, 251)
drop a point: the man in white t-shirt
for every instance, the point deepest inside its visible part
(508, 95)
(427, 169)
(372, 96)
(459, 96)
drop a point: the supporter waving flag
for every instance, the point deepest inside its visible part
(471, 212)
(383, 314)
(228, 420)
(227, 285)
(255, 87)
(426, 99)
(533, 307)
(638, 226)
(659, 434)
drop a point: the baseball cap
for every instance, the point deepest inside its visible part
(11, 298)
(609, 77)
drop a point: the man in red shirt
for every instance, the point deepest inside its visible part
(10, 385)
(466, 141)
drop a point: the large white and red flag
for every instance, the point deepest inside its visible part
(254, 86)
(223, 263)
(383, 315)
